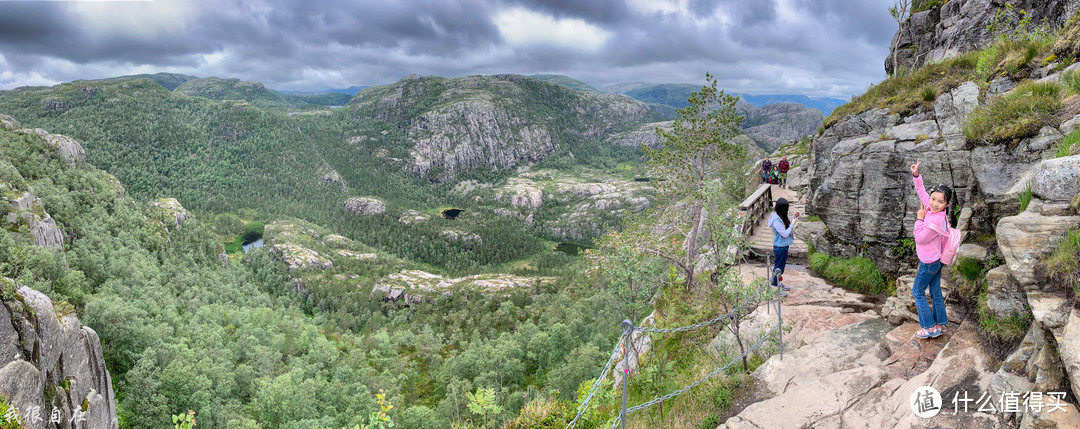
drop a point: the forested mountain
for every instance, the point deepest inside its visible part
(232, 339)
(234, 89)
(169, 80)
(566, 81)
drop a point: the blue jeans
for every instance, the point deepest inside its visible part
(929, 275)
(780, 253)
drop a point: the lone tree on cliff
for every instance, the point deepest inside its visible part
(698, 148)
(899, 11)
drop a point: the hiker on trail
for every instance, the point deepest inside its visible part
(783, 235)
(766, 168)
(783, 168)
(933, 208)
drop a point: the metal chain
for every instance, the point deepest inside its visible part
(705, 323)
(702, 380)
(596, 386)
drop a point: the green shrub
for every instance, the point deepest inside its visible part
(969, 268)
(1071, 79)
(1016, 114)
(542, 413)
(4, 409)
(929, 94)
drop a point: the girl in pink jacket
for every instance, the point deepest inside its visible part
(933, 208)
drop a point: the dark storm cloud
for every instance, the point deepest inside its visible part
(831, 47)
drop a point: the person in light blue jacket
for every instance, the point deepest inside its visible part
(783, 235)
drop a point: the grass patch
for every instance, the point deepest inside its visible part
(1068, 144)
(1025, 197)
(1014, 115)
(969, 268)
(924, 5)
(1063, 264)
(905, 92)
(857, 274)
(1006, 330)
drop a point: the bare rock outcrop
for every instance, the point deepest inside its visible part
(415, 286)
(170, 212)
(297, 257)
(28, 208)
(44, 347)
(68, 149)
(365, 206)
(960, 26)
(472, 122)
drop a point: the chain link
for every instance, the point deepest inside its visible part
(752, 298)
(596, 386)
(701, 380)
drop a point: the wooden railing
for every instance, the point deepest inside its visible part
(755, 207)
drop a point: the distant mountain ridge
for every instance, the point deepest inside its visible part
(676, 94)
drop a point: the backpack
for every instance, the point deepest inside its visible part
(951, 242)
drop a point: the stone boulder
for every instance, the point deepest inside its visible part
(1004, 297)
(1026, 238)
(1069, 349)
(43, 349)
(1057, 180)
(365, 206)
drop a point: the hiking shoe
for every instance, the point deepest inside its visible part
(940, 328)
(782, 286)
(935, 331)
(926, 333)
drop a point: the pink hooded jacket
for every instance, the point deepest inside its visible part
(927, 242)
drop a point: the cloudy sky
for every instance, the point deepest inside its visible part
(815, 47)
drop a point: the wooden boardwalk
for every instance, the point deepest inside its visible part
(762, 239)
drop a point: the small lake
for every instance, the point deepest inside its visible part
(451, 213)
(571, 249)
(253, 244)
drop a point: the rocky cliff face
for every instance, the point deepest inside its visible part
(51, 366)
(960, 26)
(457, 125)
(861, 188)
(776, 124)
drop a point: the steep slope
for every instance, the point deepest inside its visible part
(493, 122)
(939, 30)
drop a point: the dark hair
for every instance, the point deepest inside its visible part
(950, 200)
(781, 210)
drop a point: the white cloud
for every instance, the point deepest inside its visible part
(523, 27)
(649, 7)
(146, 20)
